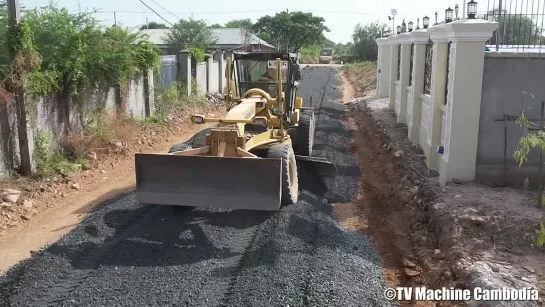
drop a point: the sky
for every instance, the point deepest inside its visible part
(341, 15)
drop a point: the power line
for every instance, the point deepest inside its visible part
(234, 12)
(155, 13)
(178, 18)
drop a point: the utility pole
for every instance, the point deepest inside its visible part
(19, 92)
(115, 19)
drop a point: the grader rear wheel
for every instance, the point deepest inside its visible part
(305, 133)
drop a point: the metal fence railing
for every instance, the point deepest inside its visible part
(521, 24)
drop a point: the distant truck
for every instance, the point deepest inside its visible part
(326, 55)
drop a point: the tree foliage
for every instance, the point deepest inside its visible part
(363, 46)
(246, 24)
(76, 53)
(190, 33)
(291, 30)
(154, 25)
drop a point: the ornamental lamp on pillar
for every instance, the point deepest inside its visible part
(456, 12)
(387, 33)
(471, 9)
(426, 22)
(436, 16)
(448, 15)
(411, 25)
(398, 29)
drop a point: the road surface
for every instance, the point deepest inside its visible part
(126, 254)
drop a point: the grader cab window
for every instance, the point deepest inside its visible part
(260, 74)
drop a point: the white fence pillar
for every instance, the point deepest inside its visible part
(383, 68)
(437, 93)
(463, 106)
(394, 45)
(414, 101)
(404, 75)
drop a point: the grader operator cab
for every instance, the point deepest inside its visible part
(250, 158)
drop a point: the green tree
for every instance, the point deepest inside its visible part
(291, 30)
(515, 29)
(216, 25)
(190, 33)
(77, 53)
(240, 23)
(154, 25)
(365, 47)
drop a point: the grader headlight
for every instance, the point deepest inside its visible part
(197, 119)
(260, 121)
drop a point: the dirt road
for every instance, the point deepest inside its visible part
(126, 254)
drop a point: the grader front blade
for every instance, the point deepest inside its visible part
(208, 181)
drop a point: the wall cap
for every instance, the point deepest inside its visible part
(470, 30)
(438, 33)
(393, 40)
(420, 36)
(382, 41)
(404, 38)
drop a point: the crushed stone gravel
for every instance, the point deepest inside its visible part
(127, 254)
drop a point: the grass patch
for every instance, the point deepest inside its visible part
(51, 160)
(362, 74)
(171, 100)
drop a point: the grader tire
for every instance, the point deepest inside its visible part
(305, 133)
(290, 180)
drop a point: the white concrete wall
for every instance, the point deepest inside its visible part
(445, 126)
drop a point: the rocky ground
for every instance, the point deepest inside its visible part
(465, 234)
(127, 254)
(107, 171)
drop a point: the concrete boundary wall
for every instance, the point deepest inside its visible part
(439, 99)
(504, 97)
(57, 117)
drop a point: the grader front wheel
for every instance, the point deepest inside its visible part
(290, 180)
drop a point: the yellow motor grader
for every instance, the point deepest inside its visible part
(250, 159)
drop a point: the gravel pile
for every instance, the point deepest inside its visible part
(126, 254)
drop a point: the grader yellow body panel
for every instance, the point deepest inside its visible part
(249, 161)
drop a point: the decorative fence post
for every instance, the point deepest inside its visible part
(383, 68)
(416, 83)
(435, 88)
(463, 103)
(394, 68)
(405, 42)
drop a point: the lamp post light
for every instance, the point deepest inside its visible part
(398, 29)
(411, 25)
(448, 15)
(471, 9)
(426, 22)
(456, 8)
(436, 16)
(418, 23)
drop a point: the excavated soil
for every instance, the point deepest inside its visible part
(391, 203)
